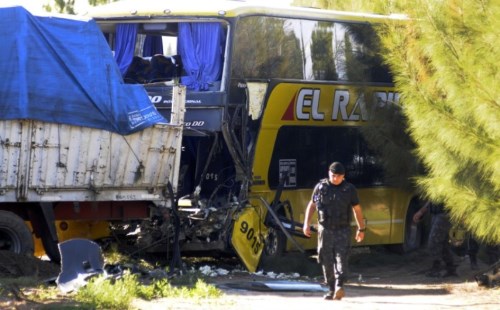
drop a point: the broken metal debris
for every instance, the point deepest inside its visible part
(285, 284)
(277, 285)
(490, 277)
(80, 260)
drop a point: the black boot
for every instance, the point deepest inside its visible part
(435, 271)
(331, 293)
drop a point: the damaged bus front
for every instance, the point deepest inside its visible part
(254, 77)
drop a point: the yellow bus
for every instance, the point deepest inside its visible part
(274, 95)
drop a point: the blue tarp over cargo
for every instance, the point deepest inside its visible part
(61, 70)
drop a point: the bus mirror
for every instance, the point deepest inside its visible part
(256, 92)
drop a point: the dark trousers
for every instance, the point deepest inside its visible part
(333, 252)
(438, 245)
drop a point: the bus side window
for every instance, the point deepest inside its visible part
(165, 68)
(139, 71)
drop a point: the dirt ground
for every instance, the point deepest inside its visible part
(378, 280)
(14, 266)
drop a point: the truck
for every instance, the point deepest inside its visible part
(79, 149)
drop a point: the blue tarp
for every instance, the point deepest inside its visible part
(61, 70)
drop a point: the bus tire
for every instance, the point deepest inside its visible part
(15, 235)
(413, 233)
(275, 244)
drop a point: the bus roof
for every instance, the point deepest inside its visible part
(132, 9)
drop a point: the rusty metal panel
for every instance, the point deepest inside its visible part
(41, 161)
(53, 162)
(10, 154)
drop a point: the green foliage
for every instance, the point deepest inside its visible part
(106, 294)
(205, 290)
(342, 5)
(102, 293)
(446, 65)
(60, 6)
(263, 48)
(322, 49)
(68, 6)
(157, 289)
(385, 134)
(43, 293)
(445, 61)
(99, 2)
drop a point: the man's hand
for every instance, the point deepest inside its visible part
(307, 230)
(311, 208)
(417, 217)
(420, 213)
(360, 235)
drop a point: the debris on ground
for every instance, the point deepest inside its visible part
(490, 277)
(81, 259)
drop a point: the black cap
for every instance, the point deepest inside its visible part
(337, 168)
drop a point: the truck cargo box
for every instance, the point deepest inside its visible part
(42, 161)
(70, 128)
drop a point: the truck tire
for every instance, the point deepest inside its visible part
(15, 235)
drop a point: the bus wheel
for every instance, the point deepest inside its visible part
(15, 236)
(413, 233)
(275, 243)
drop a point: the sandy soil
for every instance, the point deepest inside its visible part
(378, 280)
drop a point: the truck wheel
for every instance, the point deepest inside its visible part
(275, 243)
(15, 235)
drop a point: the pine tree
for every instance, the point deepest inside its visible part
(445, 59)
(446, 64)
(60, 6)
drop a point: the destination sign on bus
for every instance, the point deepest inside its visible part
(346, 105)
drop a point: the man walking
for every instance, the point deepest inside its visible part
(335, 199)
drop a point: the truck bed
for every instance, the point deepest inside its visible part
(42, 161)
(70, 128)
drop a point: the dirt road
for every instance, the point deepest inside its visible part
(378, 280)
